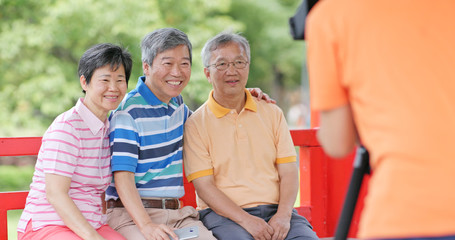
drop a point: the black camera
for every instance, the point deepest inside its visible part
(297, 22)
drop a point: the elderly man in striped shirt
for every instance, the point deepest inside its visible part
(146, 142)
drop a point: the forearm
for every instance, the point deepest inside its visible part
(218, 201)
(337, 133)
(70, 214)
(289, 186)
(129, 195)
(224, 206)
(281, 221)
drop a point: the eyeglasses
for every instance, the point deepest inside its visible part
(221, 66)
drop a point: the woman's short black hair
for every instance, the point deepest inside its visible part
(102, 54)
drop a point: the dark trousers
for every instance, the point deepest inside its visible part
(225, 229)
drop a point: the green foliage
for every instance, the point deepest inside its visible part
(13, 220)
(41, 43)
(13, 178)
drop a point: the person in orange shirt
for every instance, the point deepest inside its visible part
(239, 154)
(383, 72)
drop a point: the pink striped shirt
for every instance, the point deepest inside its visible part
(76, 145)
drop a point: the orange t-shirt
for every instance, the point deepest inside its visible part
(241, 150)
(394, 62)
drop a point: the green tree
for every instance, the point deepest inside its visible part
(277, 59)
(42, 41)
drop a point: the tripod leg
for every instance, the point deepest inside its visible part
(361, 167)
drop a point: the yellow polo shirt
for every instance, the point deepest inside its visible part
(240, 150)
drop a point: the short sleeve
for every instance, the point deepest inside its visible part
(324, 61)
(196, 158)
(285, 146)
(60, 149)
(124, 142)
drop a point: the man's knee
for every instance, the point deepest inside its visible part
(221, 227)
(301, 229)
(131, 232)
(231, 231)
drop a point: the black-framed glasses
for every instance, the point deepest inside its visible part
(222, 65)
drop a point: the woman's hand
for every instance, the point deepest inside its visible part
(259, 94)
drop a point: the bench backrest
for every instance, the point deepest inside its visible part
(323, 183)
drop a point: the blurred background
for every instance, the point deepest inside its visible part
(41, 43)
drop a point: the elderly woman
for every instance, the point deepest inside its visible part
(73, 167)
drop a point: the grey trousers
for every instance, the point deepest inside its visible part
(225, 229)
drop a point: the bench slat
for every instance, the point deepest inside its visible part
(9, 201)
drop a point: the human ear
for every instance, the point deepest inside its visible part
(207, 75)
(145, 68)
(83, 82)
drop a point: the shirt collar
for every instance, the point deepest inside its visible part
(148, 95)
(221, 111)
(94, 123)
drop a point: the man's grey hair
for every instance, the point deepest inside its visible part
(161, 40)
(221, 39)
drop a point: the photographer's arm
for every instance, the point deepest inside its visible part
(337, 133)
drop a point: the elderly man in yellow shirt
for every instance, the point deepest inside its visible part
(239, 154)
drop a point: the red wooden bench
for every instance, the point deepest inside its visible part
(323, 183)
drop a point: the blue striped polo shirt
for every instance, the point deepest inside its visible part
(146, 137)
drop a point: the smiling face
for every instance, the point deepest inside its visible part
(169, 74)
(105, 90)
(231, 82)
